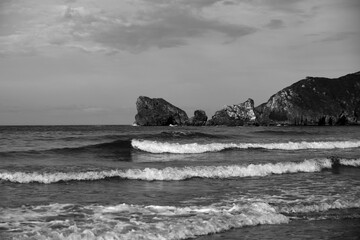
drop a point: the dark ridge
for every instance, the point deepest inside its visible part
(118, 144)
(283, 132)
(188, 135)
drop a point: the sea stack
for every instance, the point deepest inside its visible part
(235, 115)
(199, 118)
(158, 112)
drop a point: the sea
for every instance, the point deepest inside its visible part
(179, 182)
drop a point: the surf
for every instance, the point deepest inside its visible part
(127, 221)
(131, 221)
(181, 173)
(194, 148)
(320, 207)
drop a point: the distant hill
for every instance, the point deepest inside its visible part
(314, 101)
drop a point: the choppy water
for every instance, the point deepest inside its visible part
(124, 182)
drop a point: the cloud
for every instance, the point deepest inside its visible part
(111, 26)
(198, 4)
(94, 28)
(334, 37)
(201, 3)
(54, 109)
(169, 28)
(275, 24)
(284, 5)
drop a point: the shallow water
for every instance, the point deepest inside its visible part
(124, 182)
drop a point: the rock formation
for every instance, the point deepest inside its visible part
(235, 115)
(158, 112)
(315, 101)
(311, 101)
(199, 118)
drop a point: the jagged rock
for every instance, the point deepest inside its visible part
(158, 112)
(342, 120)
(235, 115)
(199, 118)
(315, 101)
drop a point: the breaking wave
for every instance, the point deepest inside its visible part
(350, 162)
(179, 173)
(102, 143)
(321, 206)
(126, 221)
(166, 147)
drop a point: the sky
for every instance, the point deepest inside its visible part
(87, 61)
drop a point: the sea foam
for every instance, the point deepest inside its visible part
(179, 173)
(321, 206)
(350, 162)
(126, 221)
(166, 147)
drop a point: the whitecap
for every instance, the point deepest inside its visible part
(191, 148)
(174, 173)
(350, 162)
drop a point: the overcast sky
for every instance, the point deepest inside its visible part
(87, 61)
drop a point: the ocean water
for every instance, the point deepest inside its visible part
(125, 182)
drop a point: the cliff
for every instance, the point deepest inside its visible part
(311, 101)
(315, 101)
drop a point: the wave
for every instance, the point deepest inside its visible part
(126, 221)
(118, 145)
(180, 173)
(321, 206)
(350, 162)
(106, 142)
(125, 141)
(166, 147)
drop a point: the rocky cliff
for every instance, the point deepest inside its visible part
(235, 115)
(158, 112)
(314, 101)
(311, 101)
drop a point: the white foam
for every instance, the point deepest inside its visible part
(138, 222)
(127, 221)
(350, 162)
(321, 206)
(174, 173)
(23, 177)
(166, 147)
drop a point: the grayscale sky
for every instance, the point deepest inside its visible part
(87, 61)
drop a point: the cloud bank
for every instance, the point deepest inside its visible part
(110, 26)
